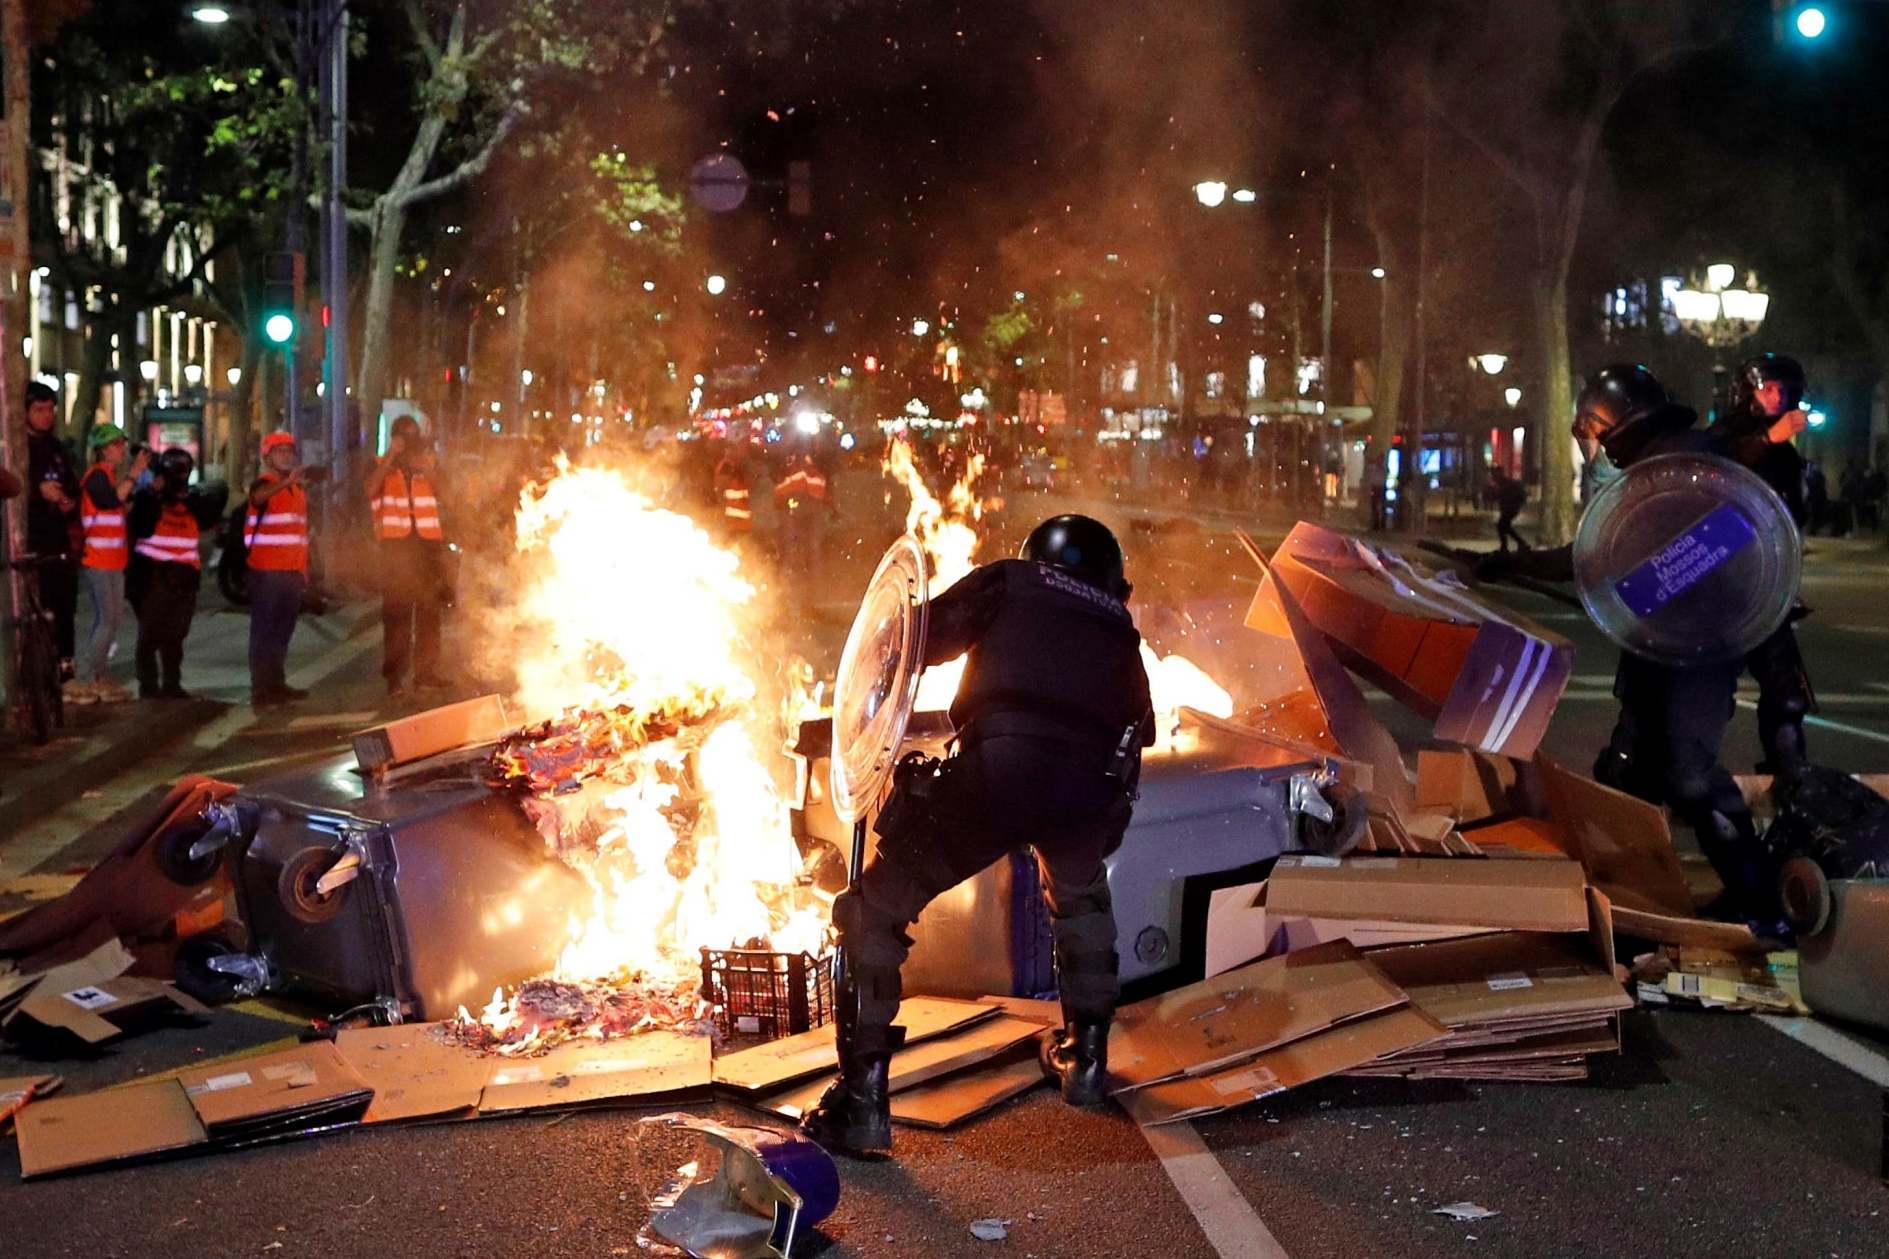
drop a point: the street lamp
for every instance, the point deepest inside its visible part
(717, 285)
(920, 327)
(1492, 363)
(235, 376)
(210, 14)
(1210, 192)
(1513, 396)
(1720, 315)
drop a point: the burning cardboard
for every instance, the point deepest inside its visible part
(1486, 676)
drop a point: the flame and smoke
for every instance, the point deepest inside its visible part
(947, 530)
(642, 638)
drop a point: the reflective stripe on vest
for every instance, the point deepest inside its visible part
(175, 541)
(399, 511)
(278, 534)
(104, 528)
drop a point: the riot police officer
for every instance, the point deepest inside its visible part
(1052, 714)
(1765, 416)
(1665, 745)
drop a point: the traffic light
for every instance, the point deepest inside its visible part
(283, 277)
(1810, 21)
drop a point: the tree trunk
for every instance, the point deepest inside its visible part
(1554, 454)
(95, 365)
(240, 455)
(390, 221)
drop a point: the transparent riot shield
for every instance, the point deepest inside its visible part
(878, 679)
(1687, 559)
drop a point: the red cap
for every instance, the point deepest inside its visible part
(274, 440)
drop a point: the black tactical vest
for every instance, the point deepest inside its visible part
(1059, 647)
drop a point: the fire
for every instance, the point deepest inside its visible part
(947, 531)
(652, 781)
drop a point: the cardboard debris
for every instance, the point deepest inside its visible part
(647, 1066)
(91, 999)
(1516, 895)
(1624, 843)
(1234, 1017)
(1486, 677)
(1468, 785)
(1305, 695)
(1715, 979)
(112, 1126)
(769, 1067)
(277, 1092)
(1285, 1067)
(925, 1061)
(414, 1072)
(1684, 930)
(16, 1092)
(1512, 1002)
(437, 730)
(955, 1099)
(1241, 929)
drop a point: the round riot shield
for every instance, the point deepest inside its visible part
(1687, 559)
(878, 679)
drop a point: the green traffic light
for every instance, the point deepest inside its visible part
(279, 328)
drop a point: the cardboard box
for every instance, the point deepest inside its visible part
(1241, 929)
(1235, 1016)
(768, 1068)
(117, 1125)
(926, 1061)
(647, 1066)
(1304, 694)
(414, 1072)
(957, 1098)
(1287, 1066)
(1486, 676)
(93, 1000)
(437, 730)
(1543, 895)
(1467, 785)
(1624, 843)
(276, 1093)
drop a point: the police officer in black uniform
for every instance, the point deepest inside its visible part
(1757, 432)
(1052, 715)
(1672, 718)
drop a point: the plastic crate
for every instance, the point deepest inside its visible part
(758, 993)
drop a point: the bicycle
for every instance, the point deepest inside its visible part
(40, 702)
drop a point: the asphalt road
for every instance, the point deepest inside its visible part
(1711, 1135)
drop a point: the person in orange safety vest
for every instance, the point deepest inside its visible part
(166, 525)
(404, 496)
(734, 486)
(103, 493)
(275, 531)
(800, 500)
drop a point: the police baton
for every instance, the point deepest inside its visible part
(1469, 559)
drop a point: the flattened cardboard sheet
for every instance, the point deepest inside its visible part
(96, 1012)
(654, 1064)
(1289, 1066)
(767, 1068)
(274, 1091)
(1468, 785)
(1625, 843)
(1509, 976)
(62, 1134)
(1733, 937)
(948, 1102)
(1235, 1016)
(1518, 895)
(414, 1072)
(928, 1060)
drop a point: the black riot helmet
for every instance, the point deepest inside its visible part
(1615, 395)
(1761, 369)
(176, 465)
(1082, 547)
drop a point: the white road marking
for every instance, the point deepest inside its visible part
(1843, 1050)
(1233, 1228)
(52, 834)
(1824, 723)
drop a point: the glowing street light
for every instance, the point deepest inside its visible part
(716, 285)
(1377, 273)
(920, 327)
(1210, 192)
(1512, 395)
(1245, 196)
(234, 375)
(1811, 22)
(210, 14)
(1492, 363)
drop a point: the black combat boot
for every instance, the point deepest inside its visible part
(1078, 1057)
(1743, 864)
(854, 1115)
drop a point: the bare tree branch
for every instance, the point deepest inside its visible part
(423, 34)
(473, 166)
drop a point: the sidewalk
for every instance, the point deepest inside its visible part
(101, 739)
